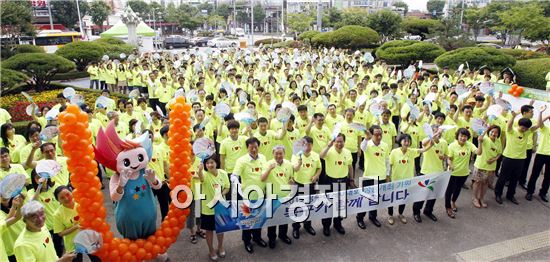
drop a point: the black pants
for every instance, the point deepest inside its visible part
(307, 223)
(499, 163)
(336, 184)
(249, 234)
(102, 85)
(153, 103)
(523, 175)
(164, 199)
(373, 213)
(354, 162)
(395, 120)
(162, 107)
(57, 243)
(417, 165)
(401, 210)
(453, 189)
(540, 161)
(323, 175)
(272, 232)
(510, 170)
(417, 206)
(94, 84)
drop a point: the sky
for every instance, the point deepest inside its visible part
(417, 4)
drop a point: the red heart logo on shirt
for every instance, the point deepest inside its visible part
(414, 133)
(308, 165)
(156, 130)
(377, 154)
(143, 187)
(404, 161)
(236, 148)
(47, 200)
(47, 240)
(467, 127)
(463, 153)
(520, 137)
(350, 131)
(385, 132)
(437, 151)
(281, 174)
(320, 136)
(494, 149)
(265, 143)
(76, 218)
(192, 173)
(257, 169)
(154, 159)
(339, 162)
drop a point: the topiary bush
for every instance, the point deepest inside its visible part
(114, 51)
(109, 41)
(288, 44)
(351, 36)
(532, 72)
(404, 51)
(520, 54)
(422, 27)
(20, 49)
(82, 53)
(308, 35)
(10, 79)
(268, 41)
(476, 57)
(39, 67)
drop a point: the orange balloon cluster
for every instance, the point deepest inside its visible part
(515, 90)
(77, 146)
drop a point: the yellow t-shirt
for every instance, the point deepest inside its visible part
(544, 141)
(516, 144)
(232, 150)
(430, 159)
(388, 133)
(375, 157)
(209, 186)
(490, 149)
(14, 169)
(156, 163)
(50, 204)
(250, 170)
(460, 156)
(10, 233)
(267, 142)
(321, 137)
(65, 218)
(279, 177)
(337, 164)
(15, 145)
(4, 116)
(352, 137)
(3, 253)
(35, 246)
(402, 164)
(309, 167)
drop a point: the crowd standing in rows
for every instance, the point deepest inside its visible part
(358, 117)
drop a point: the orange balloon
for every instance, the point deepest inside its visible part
(140, 254)
(133, 247)
(520, 89)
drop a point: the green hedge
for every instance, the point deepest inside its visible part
(532, 72)
(82, 53)
(109, 41)
(351, 36)
(288, 44)
(10, 79)
(70, 75)
(476, 57)
(308, 35)
(520, 54)
(268, 41)
(404, 51)
(19, 49)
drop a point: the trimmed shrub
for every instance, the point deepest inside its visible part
(70, 75)
(422, 27)
(532, 72)
(351, 36)
(114, 51)
(476, 57)
(308, 35)
(39, 67)
(288, 44)
(520, 54)
(82, 53)
(109, 41)
(10, 79)
(268, 41)
(404, 51)
(20, 49)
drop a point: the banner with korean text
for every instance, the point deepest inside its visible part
(241, 215)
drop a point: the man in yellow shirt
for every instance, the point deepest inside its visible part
(232, 147)
(338, 164)
(35, 242)
(250, 168)
(542, 158)
(376, 154)
(277, 176)
(514, 156)
(307, 169)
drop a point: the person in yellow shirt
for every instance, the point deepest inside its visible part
(319, 132)
(402, 167)
(339, 173)
(388, 128)
(5, 116)
(159, 163)
(232, 147)
(93, 71)
(353, 136)
(266, 137)
(11, 225)
(527, 112)
(214, 184)
(332, 117)
(249, 168)
(6, 167)
(459, 153)
(277, 175)
(432, 162)
(486, 164)
(542, 158)
(307, 169)
(12, 141)
(514, 155)
(65, 218)
(375, 154)
(35, 242)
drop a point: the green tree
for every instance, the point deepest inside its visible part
(476, 57)
(422, 27)
(242, 17)
(405, 51)
(206, 6)
(532, 72)
(402, 5)
(224, 10)
(99, 11)
(82, 53)
(39, 67)
(351, 36)
(259, 14)
(299, 22)
(435, 6)
(216, 21)
(16, 19)
(331, 16)
(140, 7)
(65, 12)
(521, 19)
(10, 78)
(353, 16)
(474, 18)
(386, 23)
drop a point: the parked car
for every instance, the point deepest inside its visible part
(176, 42)
(223, 42)
(200, 41)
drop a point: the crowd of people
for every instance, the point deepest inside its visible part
(358, 118)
